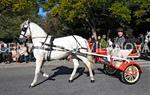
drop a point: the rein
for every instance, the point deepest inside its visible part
(45, 40)
(78, 44)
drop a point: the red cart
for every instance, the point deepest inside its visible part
(130, 71)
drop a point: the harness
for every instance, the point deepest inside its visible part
(51, 48)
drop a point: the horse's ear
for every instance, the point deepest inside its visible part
(28, 21)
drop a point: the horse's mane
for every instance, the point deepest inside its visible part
(38, 28)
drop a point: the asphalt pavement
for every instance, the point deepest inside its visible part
(15, 79)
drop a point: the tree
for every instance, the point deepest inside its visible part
(52, 26)
(91, 13)
(141, 10)
(13, 13)
(74, 16)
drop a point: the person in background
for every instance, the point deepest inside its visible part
(6, 56)
(103, 42)
(94, 40)
(23, 53)
(139, 42)
(15, 54)
(98, 41)
(120, 40)
(90, 43)
(30, 52)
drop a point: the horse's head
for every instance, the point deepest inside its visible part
(25, 31)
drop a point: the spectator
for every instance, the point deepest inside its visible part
(139, 42)
(15, 54)
(94, 40)
(140, 39)
(90, 43)
(6, 56)
(103, 42)
(23, 53)
(98, 40)
(30, 52)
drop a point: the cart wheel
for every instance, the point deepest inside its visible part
(147, 54)
(131, 75)
(109, 69)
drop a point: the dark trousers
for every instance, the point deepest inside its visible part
(24, 58)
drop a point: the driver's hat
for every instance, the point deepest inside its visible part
(120, 30)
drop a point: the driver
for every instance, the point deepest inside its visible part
(120, 40)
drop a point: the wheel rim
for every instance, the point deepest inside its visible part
(110, 69)
(131, 74)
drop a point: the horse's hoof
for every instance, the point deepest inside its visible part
(70, 81)
(92, 81)
(46, 75)
(31, 86)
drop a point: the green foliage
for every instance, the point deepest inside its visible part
(21, 5)
(143, 11)
(52, 26)
(13, 13)
(69, 9)
(121, 11)
(72, 16)
(96, 13)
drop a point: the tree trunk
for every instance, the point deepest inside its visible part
(94, 33)
(92, 29)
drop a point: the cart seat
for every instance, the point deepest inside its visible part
(102, 51)
(133, 54)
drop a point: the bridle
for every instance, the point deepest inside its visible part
(24, 29)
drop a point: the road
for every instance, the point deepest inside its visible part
(15, 79)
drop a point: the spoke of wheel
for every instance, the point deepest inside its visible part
(129, 77)
(132, 70)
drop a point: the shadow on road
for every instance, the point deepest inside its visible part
(115, 75)
(144, 58)
(62, 70)
(50, 78)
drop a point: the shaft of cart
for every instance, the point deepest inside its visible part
(106, 56)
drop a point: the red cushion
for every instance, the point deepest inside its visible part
(102, 51)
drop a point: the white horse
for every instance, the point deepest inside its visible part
(60, 48)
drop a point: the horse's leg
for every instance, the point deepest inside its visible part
(76, 64)
(43, 73)
(88, 64)
(37, 71)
